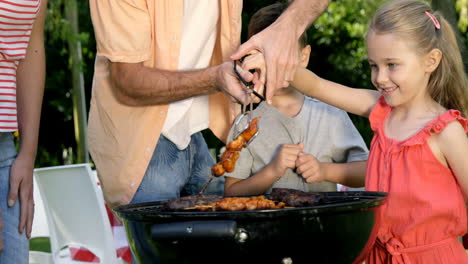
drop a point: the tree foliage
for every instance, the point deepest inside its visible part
(339, 49)
(56, 139)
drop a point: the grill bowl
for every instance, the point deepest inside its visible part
(335, 231)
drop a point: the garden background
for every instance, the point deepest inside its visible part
(338, 54)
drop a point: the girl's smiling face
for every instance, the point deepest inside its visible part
(397, 70)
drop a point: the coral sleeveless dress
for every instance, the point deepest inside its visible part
(425, 210)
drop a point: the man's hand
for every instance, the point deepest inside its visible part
(229, 83)
(279, 44)
(310, 168)
(286, 158)
(21, 184)
(256, 61)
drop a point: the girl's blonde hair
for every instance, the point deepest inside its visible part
(448, 84)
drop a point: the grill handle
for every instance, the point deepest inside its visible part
(224, 229)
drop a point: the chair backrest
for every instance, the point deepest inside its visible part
(75, 209)
(39, 226)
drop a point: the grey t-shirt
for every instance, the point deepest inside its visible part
(327, 133)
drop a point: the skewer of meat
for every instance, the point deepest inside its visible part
(231, 154)
(229, 157)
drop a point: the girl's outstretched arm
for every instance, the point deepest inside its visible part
(356, 101)
(453, 143)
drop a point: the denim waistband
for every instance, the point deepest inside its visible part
(7, 149)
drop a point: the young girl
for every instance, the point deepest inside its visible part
(22, 74)
(420, 147)
(419, 153)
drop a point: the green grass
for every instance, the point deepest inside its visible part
(41, 244)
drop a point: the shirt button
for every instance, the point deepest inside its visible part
(161, 112)
(132, 184)
(148, 150)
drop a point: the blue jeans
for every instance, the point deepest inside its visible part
(15, 245)
(173, 173)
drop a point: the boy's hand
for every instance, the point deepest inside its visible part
(286, 158)
(310, 168)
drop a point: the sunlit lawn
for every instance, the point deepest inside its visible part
(41, 244)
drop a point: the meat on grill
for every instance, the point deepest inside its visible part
(246, 203)
(278, 198)
(190, 201)
(295, 198)
(216, 203)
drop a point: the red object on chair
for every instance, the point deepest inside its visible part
(83, 254)
(123, 251)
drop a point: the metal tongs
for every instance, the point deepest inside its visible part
(249, 89)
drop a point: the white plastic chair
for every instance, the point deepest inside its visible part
(39, 226)
(76, 213)
(36, 257)
(40, 229)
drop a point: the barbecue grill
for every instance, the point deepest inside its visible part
(334, 231)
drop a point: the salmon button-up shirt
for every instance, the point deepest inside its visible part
(122, 138)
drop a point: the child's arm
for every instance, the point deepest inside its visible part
(453, 143)
(356, 101)
(256, 184)
(260, 182)
(350, 174)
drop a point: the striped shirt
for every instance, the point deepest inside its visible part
(16, 21)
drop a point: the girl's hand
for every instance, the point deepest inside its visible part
(1, 229)
(286, 158)
(310, 168)
(21, 186)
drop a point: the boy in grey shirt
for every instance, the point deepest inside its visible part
(302, 143)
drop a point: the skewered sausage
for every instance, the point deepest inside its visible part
(229, 157)
(237, 144)
(251, 130)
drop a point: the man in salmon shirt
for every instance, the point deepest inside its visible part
(162, 75)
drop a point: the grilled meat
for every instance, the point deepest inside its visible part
(216, 203)
(251, 130)
(295, 198)
(230, 156)
(190, 201)
(247, 203)
(278, 198)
